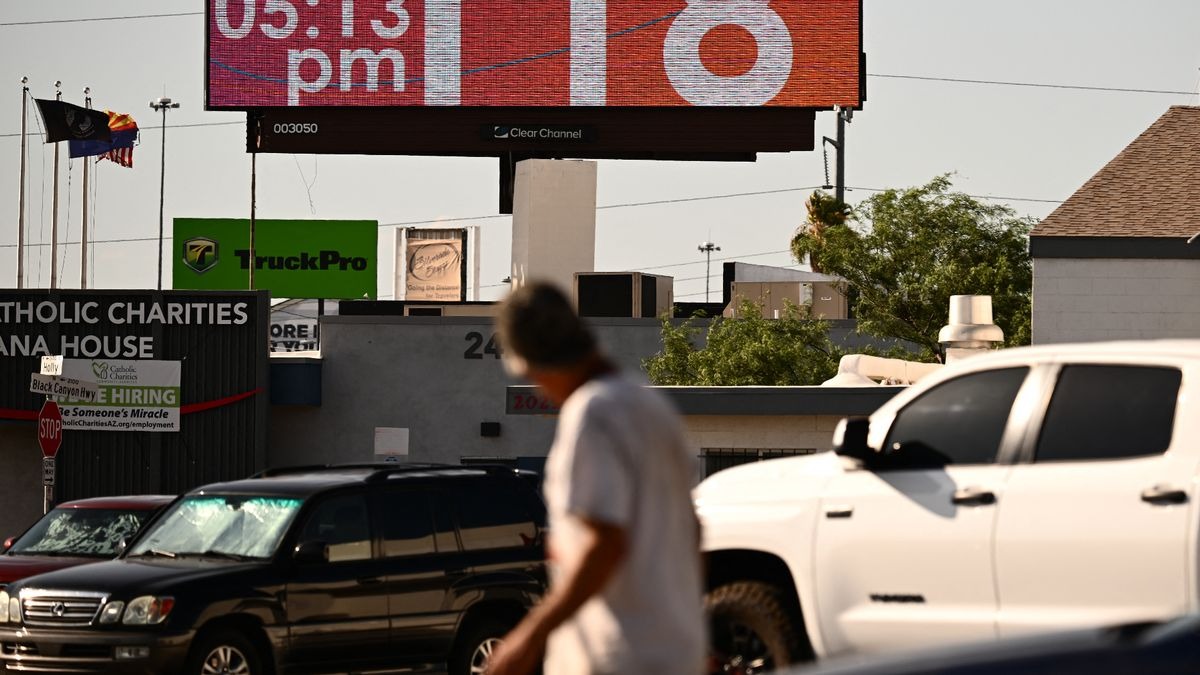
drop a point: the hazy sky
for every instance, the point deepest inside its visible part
(1004, 141)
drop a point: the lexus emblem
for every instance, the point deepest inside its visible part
(59, 609)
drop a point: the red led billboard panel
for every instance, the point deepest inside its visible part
(534, 53)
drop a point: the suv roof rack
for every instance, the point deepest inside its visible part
(392, 469)
(318, 468)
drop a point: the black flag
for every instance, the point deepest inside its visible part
(66, 122)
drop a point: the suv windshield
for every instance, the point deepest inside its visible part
(80, 532)
(235, 527)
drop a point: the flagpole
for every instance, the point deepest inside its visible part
(54, 213)
(83, 242)
(21, 200)
(162, 104)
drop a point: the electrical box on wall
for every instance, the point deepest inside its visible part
(623, 294)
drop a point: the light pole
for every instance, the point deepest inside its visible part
(162, 104)
(707, 248)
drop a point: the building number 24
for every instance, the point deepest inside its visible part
(476, 342)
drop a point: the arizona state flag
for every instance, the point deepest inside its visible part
(65, 122)
(118, 149)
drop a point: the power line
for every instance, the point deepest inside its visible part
(680, 200)
(1039, 85)
(151, 129)
(99, 18)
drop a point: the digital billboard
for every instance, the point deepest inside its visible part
(534, 53)
(330, 259)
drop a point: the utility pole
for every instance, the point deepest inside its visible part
(707, 248)
(54, 207)
(83, 242)
(844, 116)
(21, 199)
(162, 105)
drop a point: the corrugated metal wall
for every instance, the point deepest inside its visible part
(218, 361)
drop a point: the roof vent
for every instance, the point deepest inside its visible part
(970, 329)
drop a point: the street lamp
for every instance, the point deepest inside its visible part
(707, 248)
(162, 104)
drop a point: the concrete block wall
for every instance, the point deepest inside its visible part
(20, 479)
(1085, 300)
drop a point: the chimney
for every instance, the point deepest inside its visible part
(970, 330)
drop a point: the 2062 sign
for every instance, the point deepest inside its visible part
(528, 401)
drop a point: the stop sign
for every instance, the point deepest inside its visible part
(49, 427)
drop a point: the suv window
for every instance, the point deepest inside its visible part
(407, 523)
(1109, 412)
(342, 523)
(958, 422)
(491, 515)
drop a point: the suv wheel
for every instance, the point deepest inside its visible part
(752, 630)
(224, 653)
(474, 648)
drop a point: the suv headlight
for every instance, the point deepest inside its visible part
(148, 610)
(4, 606)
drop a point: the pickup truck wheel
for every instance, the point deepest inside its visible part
(224, 652)
(474, 648)
(752, 631)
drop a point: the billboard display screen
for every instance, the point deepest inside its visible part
(534, 53)
(330, 259)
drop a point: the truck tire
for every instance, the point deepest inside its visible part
(224, 651)
(473, 648)
(752, 630)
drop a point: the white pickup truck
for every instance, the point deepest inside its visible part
(1024, 490)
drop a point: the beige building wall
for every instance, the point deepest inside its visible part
(554, 221)
(763, 432)
(1084, 300)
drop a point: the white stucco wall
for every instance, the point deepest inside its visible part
(1084, 300)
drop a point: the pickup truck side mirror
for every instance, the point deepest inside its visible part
(8, 543)
(850, 440)
(312, 552)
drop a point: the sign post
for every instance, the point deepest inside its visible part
(49, 428)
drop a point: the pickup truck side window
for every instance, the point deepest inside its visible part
(960, 421)
(343, 524)
(407, 523)
(491, 515)
(1109, 412)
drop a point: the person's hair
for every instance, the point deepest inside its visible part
(537, 325)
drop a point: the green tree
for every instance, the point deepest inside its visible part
(824, 211)
(921, 246)
(747, 350)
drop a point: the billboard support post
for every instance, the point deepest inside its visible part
(253, 189)
(844, 115)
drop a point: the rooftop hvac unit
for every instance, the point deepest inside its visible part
(623, 294)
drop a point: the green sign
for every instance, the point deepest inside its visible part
(333, 259)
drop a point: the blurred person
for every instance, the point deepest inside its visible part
(625, 592)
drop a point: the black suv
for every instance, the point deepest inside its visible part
(306, 570)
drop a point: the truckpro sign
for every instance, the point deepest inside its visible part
(534, 53)
(291, 258)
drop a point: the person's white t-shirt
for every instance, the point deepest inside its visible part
(620, 457)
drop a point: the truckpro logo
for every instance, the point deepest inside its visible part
(322, 261)
(201, 254)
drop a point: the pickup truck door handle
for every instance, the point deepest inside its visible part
(1164, 494)
(839, 511)
(974, 497)
(369, 581)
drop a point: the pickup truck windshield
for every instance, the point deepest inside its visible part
(223, 527)
(80, 532)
